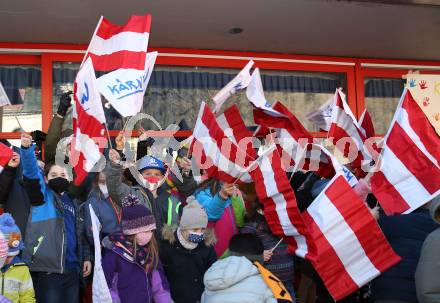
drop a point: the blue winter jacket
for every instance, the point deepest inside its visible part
(406, 234)
(214, 205)
(105, 212)
(45, 242)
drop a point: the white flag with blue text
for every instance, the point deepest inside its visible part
(125, 88)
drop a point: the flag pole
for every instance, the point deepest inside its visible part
(19, 124)
(108, 136)
(91, 41)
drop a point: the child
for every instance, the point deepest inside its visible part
(241, 278)
(54, 250)
(162, 204)
(187, 252)
(16, 282)
(131, 263)
(279, 261)
(216, 199)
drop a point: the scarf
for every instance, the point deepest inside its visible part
(186, 244)
(141, 256)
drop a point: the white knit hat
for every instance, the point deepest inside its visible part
(193, 215)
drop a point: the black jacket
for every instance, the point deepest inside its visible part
(185, 268)
(406, 234)
(13, 196)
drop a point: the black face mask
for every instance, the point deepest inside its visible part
(58, 184)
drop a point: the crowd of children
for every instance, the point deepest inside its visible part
(163, 239)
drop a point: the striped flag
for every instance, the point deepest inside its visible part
(346, 135)
(351, 249)
(278, 199)
(235, 129)
(5, 156)
(409, 174)
(291, 137)
(121, 50)
(366, 124)
(88, 118)
(215, 152)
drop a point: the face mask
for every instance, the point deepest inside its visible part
(103, 189)
(58, 184)
(196, 238)
(144, 238)
(151, 182)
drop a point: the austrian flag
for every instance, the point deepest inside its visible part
(121, 50)
(351, 248)
(88, 118)
(215, 152)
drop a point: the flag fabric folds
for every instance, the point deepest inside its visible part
(346, 135)
(351, 249)
(88, 123)
(5, 156)
(409, 174)
(121, 51)
(239, 82)
(215, 152)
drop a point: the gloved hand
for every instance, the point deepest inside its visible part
(65, 102)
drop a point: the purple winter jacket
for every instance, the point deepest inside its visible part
(128, 281)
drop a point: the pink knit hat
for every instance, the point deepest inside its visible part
(4, 249)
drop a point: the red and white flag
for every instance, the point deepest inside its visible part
(215, 152)
(291, 138)
(278, 199)
(366, 125)
(239, 82)
(121, 50)
(351, 249)
(235, 129)
(88, 123)
(347, 136)
(409, 174)
(5, 156)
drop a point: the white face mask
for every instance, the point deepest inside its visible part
(103, 189)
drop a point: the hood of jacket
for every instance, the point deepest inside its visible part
(227, 272)
(435, 209)
(169, 234)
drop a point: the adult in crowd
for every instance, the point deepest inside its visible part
(428, 269)
(406, 234)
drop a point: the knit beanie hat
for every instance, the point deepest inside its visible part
(136, 218)
(193, 215)
(4, 249)
(11, 233)
(247, 245)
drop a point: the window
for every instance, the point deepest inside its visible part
(381, 98)
(175, 93)
(22, 84)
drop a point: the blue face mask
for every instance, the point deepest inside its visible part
(196, 238)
